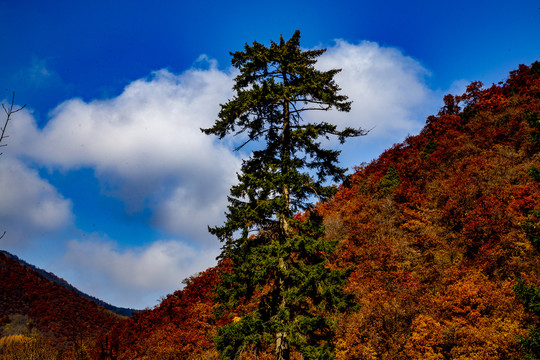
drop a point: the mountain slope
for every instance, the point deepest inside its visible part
(434, 231)
(32, 303)
(180, 327)
(64, 283)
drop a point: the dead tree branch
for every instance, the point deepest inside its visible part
(9, 111)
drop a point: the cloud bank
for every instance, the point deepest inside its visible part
(140, 276)
(29, 206)
(386, 87)
(146, 149)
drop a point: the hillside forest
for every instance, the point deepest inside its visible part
(439, 237)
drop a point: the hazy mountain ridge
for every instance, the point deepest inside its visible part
(33, 305)
(64, 283)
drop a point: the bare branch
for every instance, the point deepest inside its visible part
(9, 111)
(252, 138)
(312, 108)
(244, 144)
(308, 185)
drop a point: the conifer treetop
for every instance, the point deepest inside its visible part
(278, 263)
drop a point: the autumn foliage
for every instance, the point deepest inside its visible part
(37, 314)
(182, 326)
(436, 254)
(437, 233)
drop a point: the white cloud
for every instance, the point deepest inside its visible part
(387, 88)
(389, 96)
(29, 206)
(146, 146)
(134, 277)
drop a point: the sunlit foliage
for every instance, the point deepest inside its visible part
(439, 235)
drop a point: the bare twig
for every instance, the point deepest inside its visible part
(9, 111)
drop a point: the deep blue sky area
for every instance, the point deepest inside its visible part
(107, 180)
(94, 48)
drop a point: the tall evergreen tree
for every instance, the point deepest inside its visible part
(279, 282)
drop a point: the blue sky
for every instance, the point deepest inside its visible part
(107, 180)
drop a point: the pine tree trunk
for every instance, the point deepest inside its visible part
(282, 346)
(282, 341)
